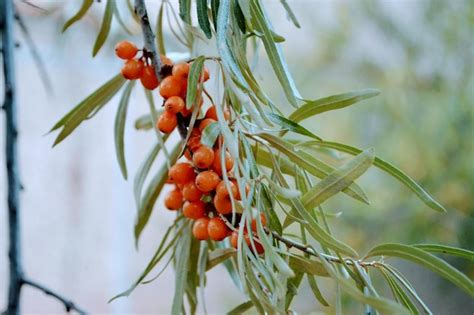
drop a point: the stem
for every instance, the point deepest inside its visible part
(68, 304)
(11, 132)
(148, 36)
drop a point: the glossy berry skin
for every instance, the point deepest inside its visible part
(125, 50)
(222, 204)
(181, 173)
(212, 113)
(194, 142)
(194, 209)
(205, 122)
(174, 104)
(170, 86)
(217, 229)
(148, 78)
(217, 165)
(207, 181)
(200, 229)
(254, 222)
(203, 157)
(132, 69)
(181, 70)
(222, 191)
(174, 200)
(191, 192)
(187, 155)
(167, 122)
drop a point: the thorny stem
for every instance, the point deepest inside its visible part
(17, 278)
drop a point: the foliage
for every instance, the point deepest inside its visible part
(281, 161)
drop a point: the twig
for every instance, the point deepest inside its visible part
(16, 278)
(68, 304)
(148, 36)
(11, 132)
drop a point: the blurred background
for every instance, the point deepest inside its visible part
(78, 213)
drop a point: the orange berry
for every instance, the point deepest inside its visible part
(181, 173)
(254, 222)
(187, 154)
(191, 192)
(165, 61)
(217, 229)
(234, 239)
(132, 69)
(217, 165)
(221, 189)
(212, 113)
(203, 157)
(125, 50)
(174, 104)
(174, 200)
(205, 122)
(258, 245)
(194, 143)
(200, 229)
(186, 112)
(167, 122)
(148, 78)
(194, 209)
(181, 70)
(206, 181)
(170, 86)
(222, 204)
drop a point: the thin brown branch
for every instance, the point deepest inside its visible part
(148, 36)
(68, 304)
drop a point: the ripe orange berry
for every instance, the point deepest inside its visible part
(174, 200)
(200, 229)
(194, 143)
(222, 204)
(174, 104)
(217, 229)
(205, 122)
(194, 209)
(254, 222)
(165, 61)
(132, 69)
(234, 239)
(191, 192)
(217, 165)
(187, 154)
(148, 78)
(212, 113)
(181, 70)
(257, 243)
(167, 122)
(182, 173)
(203, 157)
(186, 112)
(206, 181)
(125, 50)
(170, 86)
(221, 189)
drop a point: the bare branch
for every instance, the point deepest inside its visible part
(68, 304)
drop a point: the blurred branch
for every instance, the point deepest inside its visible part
(16, 276)
(34, 53)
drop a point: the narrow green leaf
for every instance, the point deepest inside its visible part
(104, 27)
(195, 73)
(391, 170)
(86, 4)
(160, 43)
(214, 11)
(210, 134)
(291, 125)
(317, 293)
(339, 179)
(306, 265)
(151, 194)
(218, 256)
(119, 128)
(144, 122)
(181, 270)
(239, 16)
(185, 10)
(290, 13)
(427, 260)
(399, 293)
(325, 104)
(93, 102)
(241, 308)
(448, 250)
(203, 18)
(274, 53)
